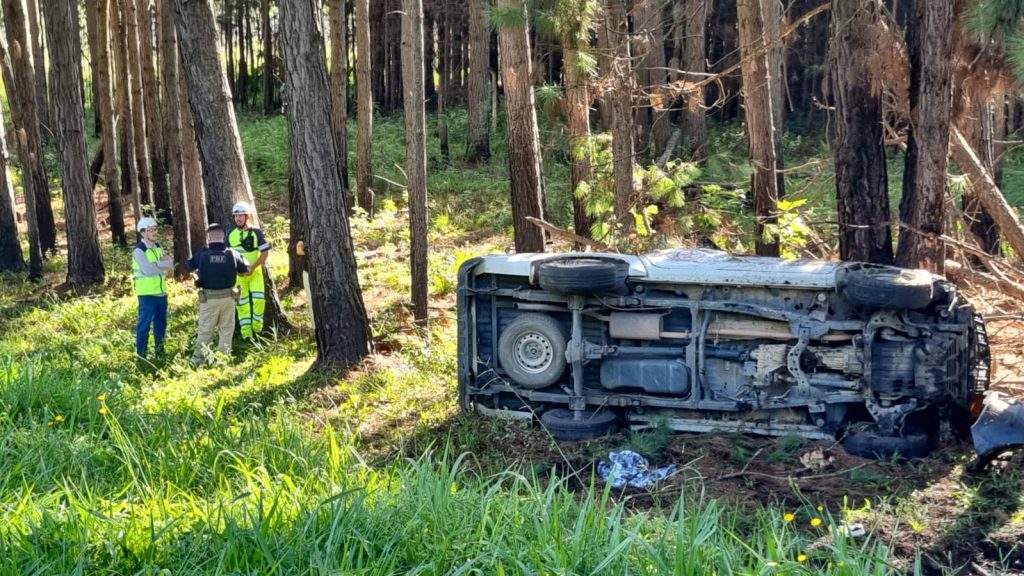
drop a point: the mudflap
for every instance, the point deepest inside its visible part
(1000, 426)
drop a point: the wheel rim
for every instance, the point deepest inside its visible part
(533, 352)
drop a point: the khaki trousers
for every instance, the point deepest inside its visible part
(216, 314)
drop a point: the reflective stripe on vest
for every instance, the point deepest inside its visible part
(238, 239)
(149, 285)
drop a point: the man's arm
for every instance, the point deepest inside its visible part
(264, 248)
(148, 268)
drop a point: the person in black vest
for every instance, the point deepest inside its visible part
(216, 267)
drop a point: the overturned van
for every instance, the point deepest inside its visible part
(887, 359)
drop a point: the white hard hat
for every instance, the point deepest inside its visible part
(242, 208)
(145, 224)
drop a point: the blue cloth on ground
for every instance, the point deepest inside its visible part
(627, 468)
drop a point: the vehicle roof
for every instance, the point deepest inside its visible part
(689, 266)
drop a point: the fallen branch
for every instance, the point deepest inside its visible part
(959, 272)
(571, 236)
(791, 477)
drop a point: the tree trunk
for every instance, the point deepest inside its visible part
(619, 100)
(154, 128)
(225, 177)
(93, 37)
(929, 41)
(20, 91)
(243, 65)
(85, 265)
(429, 16)
(105, 112)
(758, 100)
(374, 18)
(862, 189)
(191, 167)
(35, 36)
(415, 150)
(577, 111)
(342, 332)
(690, 18)
(297, 220)
(653, 130)
(228, 23)
(339, 89)
(138, 101)
(11, 258)
(268, 58)
(525, 173)
(364, 108)
(129, 167)
(478, 106)
(172, 141)
(394, 56)
(443, 63)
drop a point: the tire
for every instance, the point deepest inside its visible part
(531, 349)
(562, 426)
(582, 275)
(869, 443)
(888, 287)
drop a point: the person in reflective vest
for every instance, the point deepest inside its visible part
(250, 242)
(150, 268)
(217, 268)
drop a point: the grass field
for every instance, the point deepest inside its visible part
(112, 466)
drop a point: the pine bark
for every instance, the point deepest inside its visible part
(22, 97)
(243, 65)
(172, 141)
(85, 264)
(525, 173)
(268, 58)
(339, 87)
(862, 185)
(93, 37)
(478, 89)
(11, 258)
(342, 332)
(758, 102)
(619, 100)
(652, 119)
(444, 62)
(297, 227)
(577, 111)
(364, 111)
(105, 112)
(35, 35)
(929, 42)
(416, 150)
(191, 167)
(154, 126)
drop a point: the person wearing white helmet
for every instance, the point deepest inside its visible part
(252, 244)
(149, 268)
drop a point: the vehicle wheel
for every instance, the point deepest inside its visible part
(532, 350)
(870, 443)
(581, 275)
(888, 287)
(562, 426)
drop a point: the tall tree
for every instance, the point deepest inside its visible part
(21, 94)
(225, 177)
(342, 332)
(652, 120)
(154, 126)
(172, 132)
(575, 21)
(862, 189)
(134, 62)
(105, 112)
(268, 57)
(85, 264)
(444, 62)
(415, 149)
(922, 208)
(364, 107)
(191, 167)
(129, 167)
(478, 85)
(525, 173)
(11, 258)
(689, 19)
(758, 102)
(339, 85)
(620, 107)
(93, 35)
(35, 36)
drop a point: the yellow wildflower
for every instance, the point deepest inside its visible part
(789, 517)
(50, 423)
(58, 418)
(103, 409)
(815, 522)
(820, 508)
(102, 397)
(801, 558)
